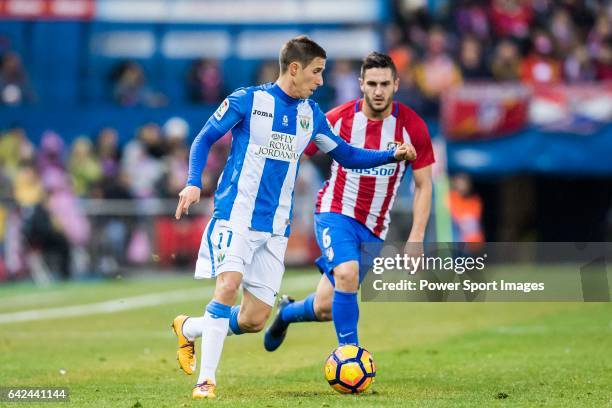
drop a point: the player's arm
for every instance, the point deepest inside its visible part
(421, 204)
(333, 116)
(351, 157)
(421, 172)
(222, 121)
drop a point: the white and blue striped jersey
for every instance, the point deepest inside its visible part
(270, 131)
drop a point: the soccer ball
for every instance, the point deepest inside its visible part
(350, 369)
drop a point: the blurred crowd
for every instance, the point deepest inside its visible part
(203, 83)
(536, 42)
(152, 164)
(42, 187)
(434, 48)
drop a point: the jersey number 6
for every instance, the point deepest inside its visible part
(326, 238)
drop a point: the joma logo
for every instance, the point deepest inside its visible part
(262, 113)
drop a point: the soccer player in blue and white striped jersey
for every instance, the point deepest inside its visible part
(245, 240)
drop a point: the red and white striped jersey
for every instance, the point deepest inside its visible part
(367, 195)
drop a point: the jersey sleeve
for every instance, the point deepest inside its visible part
(332, 116)
(231, 111)
(346, 155)
(198, 155)
(420, 139)
(325, 138)
(228, 114)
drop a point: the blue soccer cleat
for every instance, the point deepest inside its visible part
(275, 335)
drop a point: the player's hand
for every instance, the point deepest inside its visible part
(414, 249)
(188, 196)
(405, 152)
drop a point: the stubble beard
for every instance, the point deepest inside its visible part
(370, 104)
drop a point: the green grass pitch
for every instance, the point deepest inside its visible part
(446, 354)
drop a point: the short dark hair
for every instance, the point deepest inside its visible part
(299, 49)
(378, 60)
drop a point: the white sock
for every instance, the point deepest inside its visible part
(192, 328)
(214, 331)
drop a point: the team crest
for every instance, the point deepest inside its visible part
(393, 145)
(285, 120)
(222, 109)
(220, 257)
(305, 122)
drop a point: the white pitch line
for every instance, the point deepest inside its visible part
(133, 302)
(109, 306)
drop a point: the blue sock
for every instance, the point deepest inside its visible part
(345, 314)
(302, 311)
(218, 310)
(233, 320)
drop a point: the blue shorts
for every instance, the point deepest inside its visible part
(344, 239)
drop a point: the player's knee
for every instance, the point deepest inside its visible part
(253, 324)
(252, 327)
(323, 309)
(227, 287)
(346, 276)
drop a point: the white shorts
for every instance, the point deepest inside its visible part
(259, 256)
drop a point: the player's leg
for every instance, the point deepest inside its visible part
(220, 320)
(323, 299)
(348, 250)
(321, 306)
(250, 316)
(327, 303)
(345, 309)
(316, 307)
(188, 328)
(261, 283)
(348, 277)
(339, 244)
(216, 324)
(192, 326)
(243, 253)
(213, 327)
(223, 255)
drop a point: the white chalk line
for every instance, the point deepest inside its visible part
(109, 306)
(132, 302)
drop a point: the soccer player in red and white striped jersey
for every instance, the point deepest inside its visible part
(367, 195)
(353, 207)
